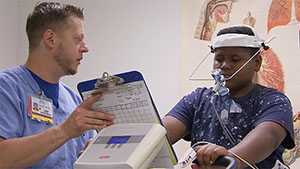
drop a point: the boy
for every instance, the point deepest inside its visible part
(257, 132)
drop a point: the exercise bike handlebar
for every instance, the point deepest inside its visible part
(226, 161)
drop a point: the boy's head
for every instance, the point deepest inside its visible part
(238, 36)
(233, 47)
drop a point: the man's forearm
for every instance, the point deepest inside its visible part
(26, 151)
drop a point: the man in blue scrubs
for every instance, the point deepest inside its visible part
(53, 135)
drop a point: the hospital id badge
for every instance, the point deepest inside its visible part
(40, 109)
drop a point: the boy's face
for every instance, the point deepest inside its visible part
(229, 60)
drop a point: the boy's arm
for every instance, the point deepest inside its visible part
(175, 128)
(254, 148)
(260, 142)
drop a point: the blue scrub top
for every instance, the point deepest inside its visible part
(16, 84)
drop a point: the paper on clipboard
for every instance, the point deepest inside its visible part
(128, 102)
(131, 102)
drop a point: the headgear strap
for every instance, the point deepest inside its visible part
(237, 40)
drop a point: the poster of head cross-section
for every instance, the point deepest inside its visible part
(202, 19)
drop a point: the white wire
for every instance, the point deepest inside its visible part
(243, 65)
(227, 132)
(200, 143)
(243, 160)
(266, 43)
(230, 137)
(190, 78)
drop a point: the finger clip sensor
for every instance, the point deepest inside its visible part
(189, 156)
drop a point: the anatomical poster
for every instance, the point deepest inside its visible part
(272, 19)
(278, 20)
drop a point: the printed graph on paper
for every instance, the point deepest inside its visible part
(130, 103)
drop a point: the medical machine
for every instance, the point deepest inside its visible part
(123, 146)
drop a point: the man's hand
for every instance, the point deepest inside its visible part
(86, 145)
(83, 119)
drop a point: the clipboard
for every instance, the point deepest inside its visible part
(127, 96)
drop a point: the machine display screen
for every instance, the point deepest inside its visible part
(118, 139)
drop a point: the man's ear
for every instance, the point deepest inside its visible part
(49, 38)
(258, 62)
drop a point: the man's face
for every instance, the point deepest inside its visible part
(229, 60)
(71, 46)
(35, 106)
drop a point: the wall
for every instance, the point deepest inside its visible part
(154, 37)
(123, 36)
(8, 33)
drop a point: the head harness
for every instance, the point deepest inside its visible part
(237, 40)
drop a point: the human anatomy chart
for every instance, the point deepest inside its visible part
(280, 13)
